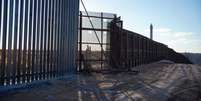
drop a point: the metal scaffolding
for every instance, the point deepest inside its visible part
(93, 41)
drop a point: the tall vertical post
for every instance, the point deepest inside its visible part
(80, 43)
(151, 32)
(101, 40)
(4, 36)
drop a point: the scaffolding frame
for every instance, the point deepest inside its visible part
(102, 29)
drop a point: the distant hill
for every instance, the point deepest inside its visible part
(193, 57)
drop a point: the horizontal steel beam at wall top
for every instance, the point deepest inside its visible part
(96, 17)
(95, 29)
(91, 60)
(94, 43)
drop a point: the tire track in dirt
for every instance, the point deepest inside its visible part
(169, 77)
(194, 72)
(151, 90)
(175, 78)
(188, 89)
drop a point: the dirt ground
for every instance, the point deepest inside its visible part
(155, 82)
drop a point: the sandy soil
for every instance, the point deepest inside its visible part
(155, 82)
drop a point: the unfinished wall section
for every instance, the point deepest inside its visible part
(129, 49)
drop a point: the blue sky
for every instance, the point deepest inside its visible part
(177, 23)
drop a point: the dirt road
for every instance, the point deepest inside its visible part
(155, 82)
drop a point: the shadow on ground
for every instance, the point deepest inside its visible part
(155, 82)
